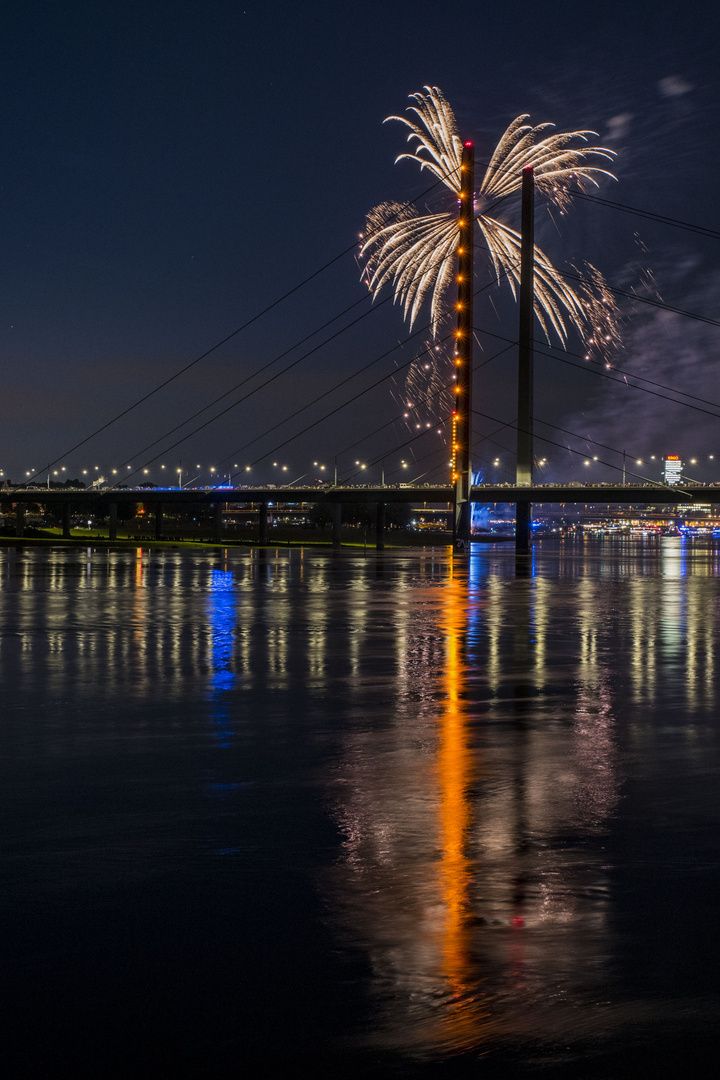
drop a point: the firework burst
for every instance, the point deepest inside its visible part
(414, 253)
(602, 337)
(427, 390)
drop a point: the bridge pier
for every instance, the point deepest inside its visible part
(523, 528)
(380, 527)
(158, 521)
(19, 520)
(66, 520)
(217, 521)
(336, 524)
(112, 521)
(462, 524)
(263, 524)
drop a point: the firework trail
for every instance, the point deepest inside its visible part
(426, 391)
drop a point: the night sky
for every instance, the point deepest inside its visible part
(169, 170)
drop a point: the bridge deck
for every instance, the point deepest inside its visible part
(482, 493)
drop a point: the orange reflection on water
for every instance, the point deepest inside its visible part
(456, 769)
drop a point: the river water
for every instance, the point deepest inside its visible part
(362, 815)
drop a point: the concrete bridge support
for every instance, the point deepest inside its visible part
(19, 519)
(336, 525)
(112, 521)
(523, 528)
(217, 522)
(158, 521)
(66, 520)
(263, 524)
(380, 527)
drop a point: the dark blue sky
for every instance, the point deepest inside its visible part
(169, 169)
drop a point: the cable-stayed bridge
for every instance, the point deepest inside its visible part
(459, 494)
(263, 498)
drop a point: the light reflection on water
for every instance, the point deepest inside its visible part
(519, 760)
(222, 617)
(473, 913)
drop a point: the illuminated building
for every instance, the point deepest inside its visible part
(672, 473)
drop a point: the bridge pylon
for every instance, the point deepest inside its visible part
(524, 468)
(461, 475)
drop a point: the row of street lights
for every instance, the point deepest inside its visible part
(187, 475)
(589, 461)
(321, 472)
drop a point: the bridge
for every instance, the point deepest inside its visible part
(458, 495)
(109, 499)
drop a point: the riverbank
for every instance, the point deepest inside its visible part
(351, 538)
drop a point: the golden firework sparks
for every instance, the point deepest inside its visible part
(414, 253)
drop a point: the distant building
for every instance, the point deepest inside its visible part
(672, 473)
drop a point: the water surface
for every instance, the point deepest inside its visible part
(386, 814)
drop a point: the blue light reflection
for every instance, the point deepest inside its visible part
(222, 613)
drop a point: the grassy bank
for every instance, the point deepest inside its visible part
(278, 537)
